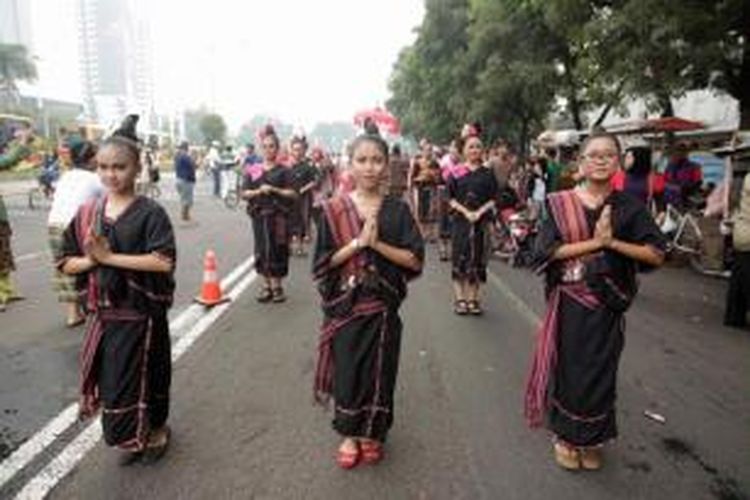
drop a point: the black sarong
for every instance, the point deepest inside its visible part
(126, 356)
(361, 333)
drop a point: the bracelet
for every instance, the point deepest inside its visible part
(356, 243)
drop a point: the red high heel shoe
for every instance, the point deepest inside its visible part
(372, 452)
(348, 459)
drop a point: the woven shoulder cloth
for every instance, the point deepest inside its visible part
(345, 224)
(567, 210)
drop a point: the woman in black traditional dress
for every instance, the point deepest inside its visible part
(121, 248)
(473, 192)
(368, 248)
(305, 178)
(590, 248)
(269, 191)
(424, 179)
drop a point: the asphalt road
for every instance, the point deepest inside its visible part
(245, 426)
(38, 355)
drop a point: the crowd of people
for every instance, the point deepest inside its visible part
(367, 219)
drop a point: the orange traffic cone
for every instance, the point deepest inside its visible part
(211, 289)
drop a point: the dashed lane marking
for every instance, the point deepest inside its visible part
(43, 483)
(35, 445)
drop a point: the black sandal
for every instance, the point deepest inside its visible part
(460, 307)
(277, 295)
(474, 308)
(265, 295)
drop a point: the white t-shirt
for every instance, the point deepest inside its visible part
(72, 190)
(539, 190)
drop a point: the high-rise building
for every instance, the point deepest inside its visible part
(15, 22)
(115, 51)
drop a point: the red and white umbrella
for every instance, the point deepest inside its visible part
(385, 121)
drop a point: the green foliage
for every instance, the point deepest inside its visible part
(513, 64)
(213, 128)
(426, 79)
(16, 65)
(193, 118)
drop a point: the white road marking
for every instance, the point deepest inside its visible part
(187, 340)
(191, 313)
(37, 443)
(40, 486)
(59, 424)
(32, 256)
(522, 307)
(43, 483)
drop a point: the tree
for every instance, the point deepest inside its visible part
(213, 128)
(193, 119)
(515, 81)
(15, 65)
(516, 64)
(727, 57)
(426, 77)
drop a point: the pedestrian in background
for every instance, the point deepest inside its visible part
(268, 189)
(76, 187)
(17, 151)
(638, 179)
(229, 161)
(423, 181)
(184, 167)
(327, 179)
(121, 248)
(368, 247)
(213, 165)
(683, 179)
(589, 249)
(738, 293)
(304, 177)
(448, 164)
(399, 172)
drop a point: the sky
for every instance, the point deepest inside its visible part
(303, 61)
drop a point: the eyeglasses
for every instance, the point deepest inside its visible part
(601, 157)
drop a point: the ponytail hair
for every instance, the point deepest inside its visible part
(467, 131)
(269, 131)
(126, 138)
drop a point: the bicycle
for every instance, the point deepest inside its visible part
(686, 238)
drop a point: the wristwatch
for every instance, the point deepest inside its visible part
(356, 243)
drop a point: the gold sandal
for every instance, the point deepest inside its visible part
(591, 458)
(567, 457)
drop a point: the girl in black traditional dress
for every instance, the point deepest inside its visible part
(590, 248)
(304, 178)
(268, 189)
(424, 179)
(121, 249)
(368, 248)
(472, 190)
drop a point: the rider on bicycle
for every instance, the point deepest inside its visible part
(684, 179)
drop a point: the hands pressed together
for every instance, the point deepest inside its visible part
(97, 249)
(603, 230)
(368, 237)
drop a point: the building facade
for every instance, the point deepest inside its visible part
(15, 22)
(116, 67)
